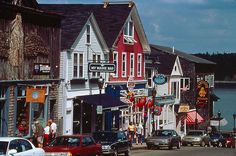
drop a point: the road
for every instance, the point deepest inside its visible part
(186, 151)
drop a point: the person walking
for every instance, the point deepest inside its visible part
(39, 132)
(53, 130)
(139, 133)
(131, 132)
(46, 134)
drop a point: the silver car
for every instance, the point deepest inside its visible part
(164, 138)
(196, 137)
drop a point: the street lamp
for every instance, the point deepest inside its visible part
(219, 115)
(234, 116)
(100, 86)
(154, 92)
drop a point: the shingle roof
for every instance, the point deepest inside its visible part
(166, 60)
(186, 56)
(110, 19)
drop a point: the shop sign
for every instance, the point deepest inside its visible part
(42, 68)
(102, 67)
(130, 83)
(183, 108)
(159, 79)
(99, 109)
(202, 92)
(35, 95)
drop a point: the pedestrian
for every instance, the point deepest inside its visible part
(46, 134)
(39, 132)
(53, 130)
(131, 132)
(139, 133)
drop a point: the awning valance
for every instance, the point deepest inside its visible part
(191, 117)
(107, 101)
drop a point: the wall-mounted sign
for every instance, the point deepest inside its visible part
(183, 108)
(102, 67)
(159, 79)
(130, 83)
(202, 92)
(42, 68)
(99, 109)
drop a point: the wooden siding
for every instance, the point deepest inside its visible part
(136, 48)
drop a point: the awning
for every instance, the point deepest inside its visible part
(107, 101)
(191, 117)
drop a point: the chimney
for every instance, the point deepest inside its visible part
(173, 49)
(105, 3)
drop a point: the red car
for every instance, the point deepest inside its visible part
(229, 139)
(73, 145)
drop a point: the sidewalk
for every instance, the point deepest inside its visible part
(139, 146)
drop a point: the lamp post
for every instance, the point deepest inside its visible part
(219, 115)
(100, 86)
(154, 92)
(234, 116)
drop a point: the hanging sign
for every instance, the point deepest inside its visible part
(159, 79)
(35, 95)
(202, 92)
(183, 108)
(102, 67)
(130, 83)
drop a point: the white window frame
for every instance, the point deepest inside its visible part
(132, 63)
(177, 89)
(124, 64)
(115, 61)
(185, 83)
(96, 59)
(139, 65)
(77, 65)
(129, 36)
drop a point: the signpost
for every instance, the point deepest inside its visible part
(102, 67)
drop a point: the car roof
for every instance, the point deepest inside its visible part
(10, 138)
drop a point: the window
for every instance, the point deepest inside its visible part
(96, 59)
(87, 33)
(123, 64)
(139, 65)
(78, 65)
(175, 89)
(115, 61)
(131, 64)
(185, 84)
(148, 74)
(129, 32)
(75, 65)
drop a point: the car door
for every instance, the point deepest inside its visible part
(88, 146)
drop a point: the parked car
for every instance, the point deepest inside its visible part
(19, 147)
(229, 139)
(113, 142)
(196, 137)
(73, 145)
(218, 140)
(164, 138)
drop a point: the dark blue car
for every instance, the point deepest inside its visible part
(217, 140)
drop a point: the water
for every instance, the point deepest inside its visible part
(226, 105)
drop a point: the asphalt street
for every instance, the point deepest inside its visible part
(186, 151)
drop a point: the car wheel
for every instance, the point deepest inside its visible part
(127, 153)
(148, 146)
(203, 144)
(209, 144)
(179, 144)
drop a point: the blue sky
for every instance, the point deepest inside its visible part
(189, 25)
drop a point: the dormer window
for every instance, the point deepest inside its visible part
(129, 32)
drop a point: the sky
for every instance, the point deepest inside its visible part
(192, 26)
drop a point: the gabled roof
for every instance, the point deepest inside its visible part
(110, 20)
(183, 55)
(24, 3)
(166, 60)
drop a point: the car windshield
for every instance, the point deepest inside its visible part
(66, 141)
(195, 133)
(104, 136)
(162, 133)
(3, 147)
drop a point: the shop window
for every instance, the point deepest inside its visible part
(132, 64)
(96, 59)
(124, 64)
(175, 89)
(139, 65)
(88, 34)
(185, 84)
(78, 65)
(129, 32)
(115, 61)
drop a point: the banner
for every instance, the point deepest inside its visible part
(35, 95)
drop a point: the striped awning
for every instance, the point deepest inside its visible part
(192, 116)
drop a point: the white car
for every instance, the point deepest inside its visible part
(16, 146)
